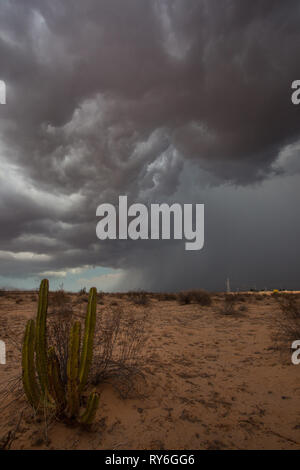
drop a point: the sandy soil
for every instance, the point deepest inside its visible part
(212, 382)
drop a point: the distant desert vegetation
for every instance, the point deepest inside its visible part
(192, 370)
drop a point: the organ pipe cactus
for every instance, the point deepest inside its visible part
(73, 370)
(90, 412)
(88, 340)
(41, 336)
(38, 362)
(30, 385)
(56, 386)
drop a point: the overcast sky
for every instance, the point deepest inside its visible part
(163, 101)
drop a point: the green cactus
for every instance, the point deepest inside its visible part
(56, 386)
(30, 385)
(73, 370)
(88, 339)
(40, 336)
(92, 405)
(36, 361)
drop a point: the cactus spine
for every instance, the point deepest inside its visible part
(40, 335)
(73, 370)
(88, 340)
(52, 390)
(91, 409)
(30, 385)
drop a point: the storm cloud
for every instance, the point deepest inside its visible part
(164, 101)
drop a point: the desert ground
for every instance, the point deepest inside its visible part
(210, 379)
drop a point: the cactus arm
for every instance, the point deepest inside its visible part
(88, 340)
(30, 385)
(92, 405)
(73, 370)
(41, 340)
(56, 386)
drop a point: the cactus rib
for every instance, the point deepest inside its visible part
(88, 340)
(28, 370)
(73, 370)
(41, 339)
(91, 409)
(56, 386)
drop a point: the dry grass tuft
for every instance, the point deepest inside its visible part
(229, 306)
(59, 298)
(139, 297)
(289, 322)
(200, 297)
(166, 296)
(118, 345)
(118, 351)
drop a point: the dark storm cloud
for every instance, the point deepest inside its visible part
(114, 97)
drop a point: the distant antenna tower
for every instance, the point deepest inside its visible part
(227, 285)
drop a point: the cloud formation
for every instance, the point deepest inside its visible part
(149, 98)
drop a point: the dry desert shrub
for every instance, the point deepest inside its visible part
(139, 297)
(11, 390)
(166, 296)
(100, 296)
(247, 297)
(59, 298)
(118, 345)
(259, 297)
(119, 295)
(288, 324)
(234, 298)
(229, 306)
(184, 298)
(63, 309)
(119, 349)
(200, 297)
(58, 331)
(240, 297)
(9, 437)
